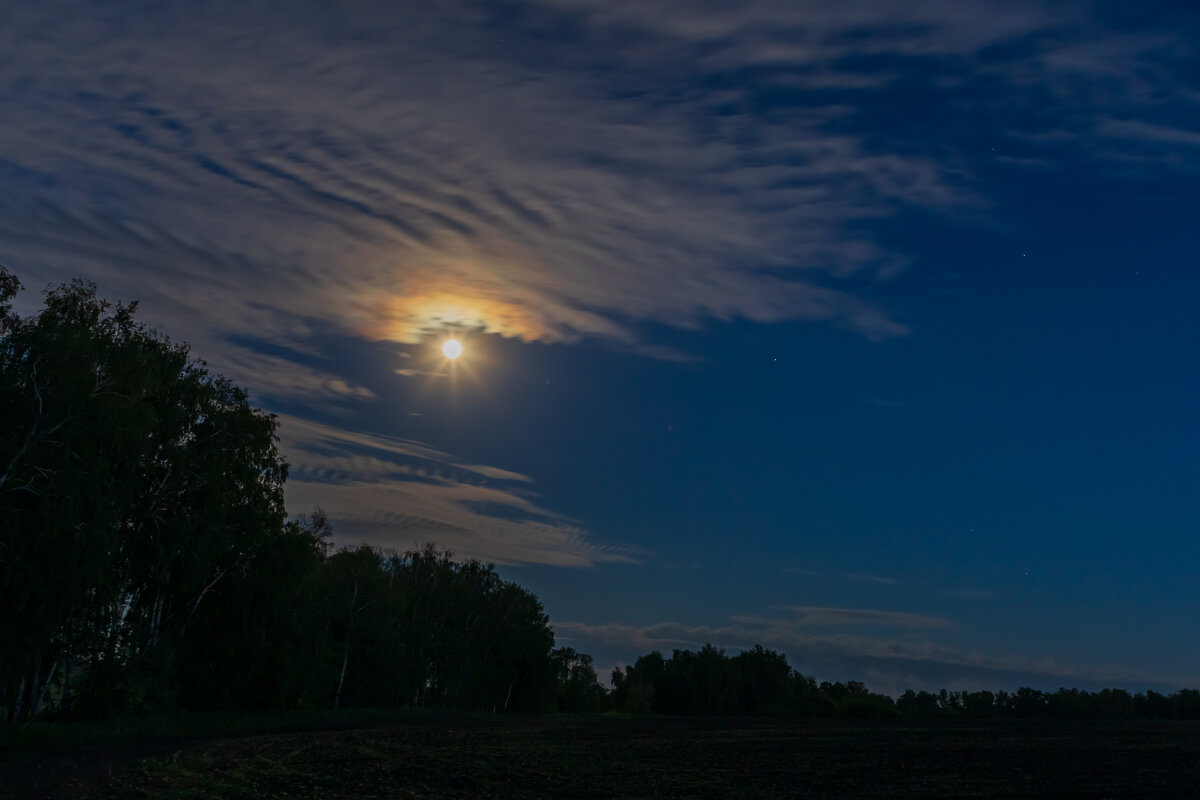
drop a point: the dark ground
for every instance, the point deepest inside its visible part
(594, 757)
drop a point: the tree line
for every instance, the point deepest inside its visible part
(759, 682)
(147, 563)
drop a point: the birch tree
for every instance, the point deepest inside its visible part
(132, 484)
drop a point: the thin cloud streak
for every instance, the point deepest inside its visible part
(850, 576)
(395, 493)
(825, 616)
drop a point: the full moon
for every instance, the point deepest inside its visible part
(452, 348)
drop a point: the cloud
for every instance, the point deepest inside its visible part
(819, 615)
(390, 170)
(855, 576)
(281, 377)
(498, 474)
(415, 373)
(851, 576)
(396, 493)
(1151, 133)
(355, 179)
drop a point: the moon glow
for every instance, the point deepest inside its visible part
(452, 348)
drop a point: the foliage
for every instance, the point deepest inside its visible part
(756, 682)
(575, 682)
(132, 483)
(423, 630)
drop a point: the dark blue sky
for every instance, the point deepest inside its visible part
(865, 331)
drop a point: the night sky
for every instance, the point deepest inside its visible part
(867, 331)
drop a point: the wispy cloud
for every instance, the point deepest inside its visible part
(396, 493)
(850, 576)
(391, 169)
(883, 581)
(275, 376)
(837, 617)
(352, 180)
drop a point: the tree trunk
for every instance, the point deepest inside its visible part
(196, 603)
(68, 673)
(155, 621)
(41, 698)
(337, 698)
(16, 712)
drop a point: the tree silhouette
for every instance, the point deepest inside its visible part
(132, 484)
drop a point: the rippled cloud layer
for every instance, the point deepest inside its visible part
(550, 170)
(547, 170)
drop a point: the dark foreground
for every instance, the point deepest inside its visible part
(553, 757)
